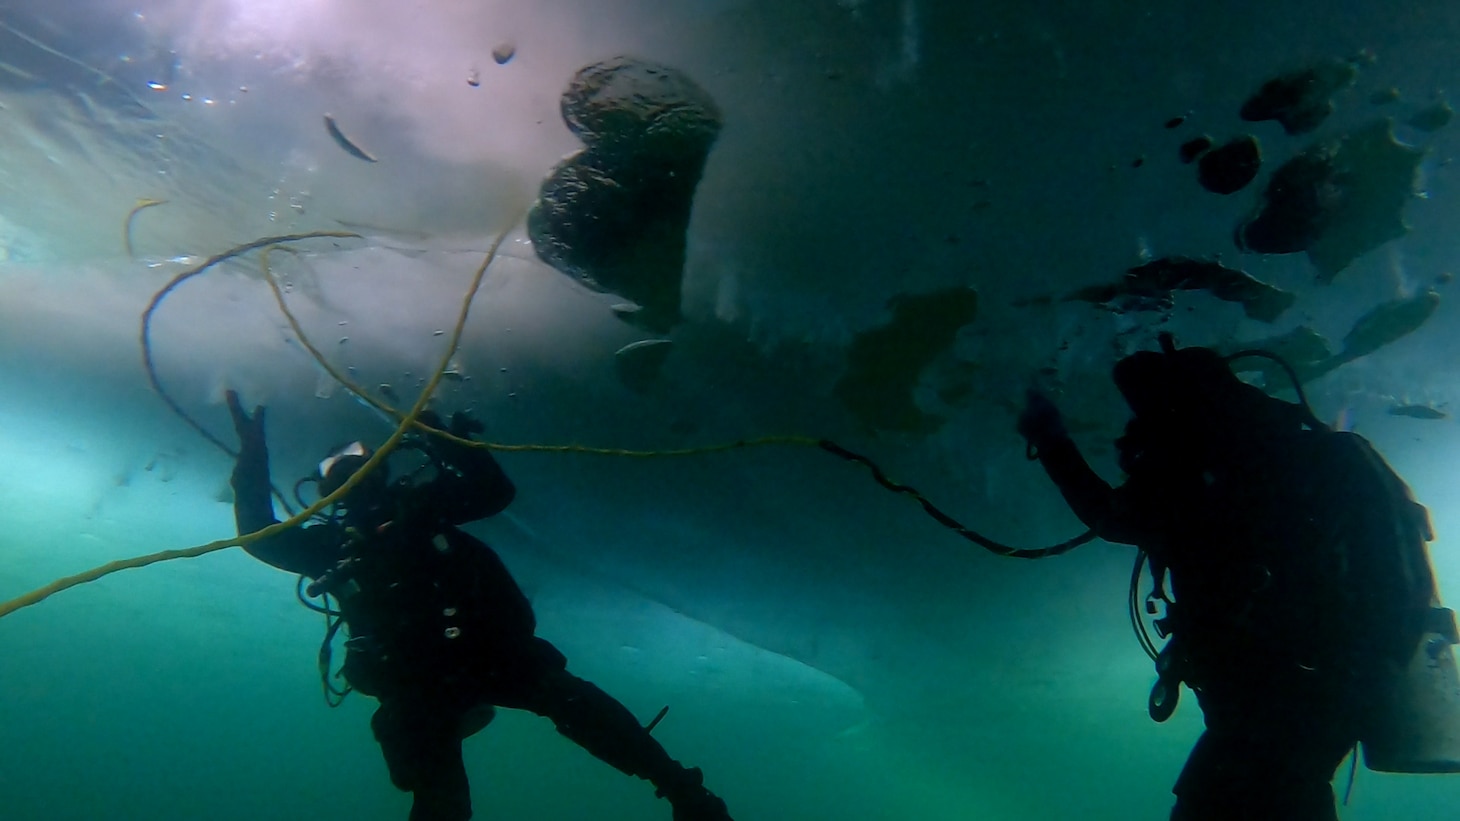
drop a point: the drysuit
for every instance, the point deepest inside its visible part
(439, 632)
(1295, 558)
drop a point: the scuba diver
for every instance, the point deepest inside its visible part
(1299, 574)
(439, 631)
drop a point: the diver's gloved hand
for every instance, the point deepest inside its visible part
(464, 425)
(706, 807)
(250, 429)
(691, 801)
(253, 452)
(1040, 423)
(430, 419)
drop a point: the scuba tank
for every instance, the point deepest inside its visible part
(1415, 723)
(1411, 723)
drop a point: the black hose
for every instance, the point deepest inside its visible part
(948, 521)
(1137, 623)
(299, 592)
(1309, 416)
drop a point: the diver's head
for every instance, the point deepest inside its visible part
(345, 462)
(1190, 383)
(1193, 394)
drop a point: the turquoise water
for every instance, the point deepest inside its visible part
(825, 649)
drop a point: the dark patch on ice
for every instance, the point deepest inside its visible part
(885, 364)
(1433, 118)
(1388, 323)
(1194, 148)
(1310, 355)
(1231, 167)
(614, 215)
(1149, 287)
(1301, 100)
(1336, 200)
(1418, 412)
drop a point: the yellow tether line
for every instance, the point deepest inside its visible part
(409, 419)
(360, 392)
(145, 338)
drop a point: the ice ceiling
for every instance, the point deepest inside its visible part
(910, 212)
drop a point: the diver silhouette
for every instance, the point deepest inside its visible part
(439, 631)
(1297, 564)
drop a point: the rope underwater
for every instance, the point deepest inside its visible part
(146, 334)
(825, 444)
(375, 460)
(360, 393)
(157, 299)
(408, 421)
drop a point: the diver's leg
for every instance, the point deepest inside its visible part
(1259, 776)
(421, 743)
(598, 723)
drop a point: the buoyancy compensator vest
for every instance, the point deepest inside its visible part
(426, 610)
(1379, 601)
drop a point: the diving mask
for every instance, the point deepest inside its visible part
(328, 463)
